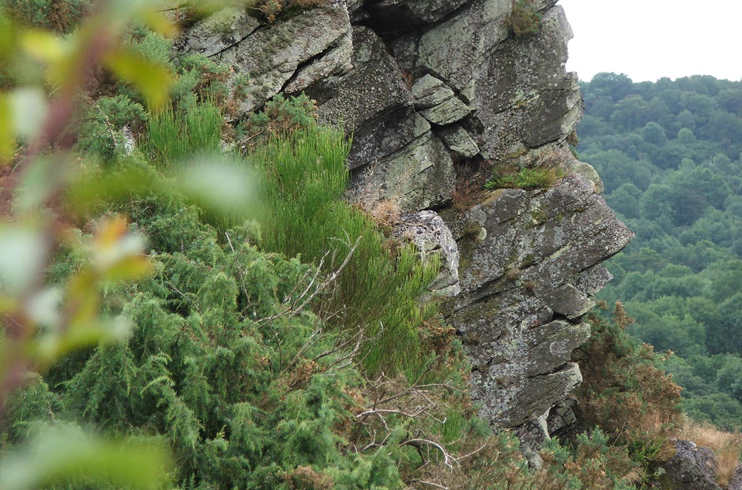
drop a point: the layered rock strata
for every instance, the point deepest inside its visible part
(430, 89)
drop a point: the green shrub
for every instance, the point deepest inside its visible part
(524, 20)
(526, 178)
(58, 15)
(100, 132)
(305, 178)
(242, 401)
(625, 391)
(280, 117)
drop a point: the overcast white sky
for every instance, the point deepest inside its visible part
(650, 39)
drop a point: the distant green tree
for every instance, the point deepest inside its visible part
(654, 134)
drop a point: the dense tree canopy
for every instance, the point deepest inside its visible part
(669, 155)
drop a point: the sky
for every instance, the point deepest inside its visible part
(651, 39)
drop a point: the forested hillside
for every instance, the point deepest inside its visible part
(669, 155)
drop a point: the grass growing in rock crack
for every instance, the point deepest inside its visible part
(526, 178)
(305, 177)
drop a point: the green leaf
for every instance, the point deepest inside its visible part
(7, 138)
(60, 455)
(220, 187)
(22, 252)
(29, 108)
(151, 79)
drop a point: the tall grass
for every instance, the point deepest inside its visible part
(189, 129)
(304, 180)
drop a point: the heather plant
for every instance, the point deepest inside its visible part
(626, 392)
(524, 20)
(58, 15)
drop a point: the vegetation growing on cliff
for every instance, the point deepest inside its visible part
(524, 178)
(524, 19)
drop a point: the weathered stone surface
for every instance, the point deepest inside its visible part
(448, 112)
(220, 32)
(335, 61)
(373, 89)
(569, 301)
(379, 138)
(430, 92)
(430, 235)
(418, 176)
(522, 96)
(271, 54)
(456, 48)
(692, 468)
(396, 15)
(561, 417)
(459, 141)
(516, 276)
(587, 171)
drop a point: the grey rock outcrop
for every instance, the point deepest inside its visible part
(691, 468)
(284, 56)
(431, 89)
(429, 233)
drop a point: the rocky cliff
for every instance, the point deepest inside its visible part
(438, 94)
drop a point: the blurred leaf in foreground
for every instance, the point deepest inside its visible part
(59, 455)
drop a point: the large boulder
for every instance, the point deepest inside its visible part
(691, 468)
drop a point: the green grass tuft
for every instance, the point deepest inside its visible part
(305, 177)
(526, 178)
(178, 133)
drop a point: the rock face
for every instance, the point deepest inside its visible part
(692, 468)
(434, 91)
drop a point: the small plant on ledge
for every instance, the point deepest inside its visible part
(524, 20)
(525, 178)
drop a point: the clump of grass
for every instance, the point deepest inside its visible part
(177, 133)
(727, 447)
(526, 178)
(378, 292)
(524, 20)
(271, 10)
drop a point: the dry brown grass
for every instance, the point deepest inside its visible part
(727, 447)
(385, 212)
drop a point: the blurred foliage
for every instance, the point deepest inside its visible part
(669, 155)
(58, 15)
